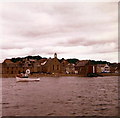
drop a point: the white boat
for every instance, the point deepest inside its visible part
(18, 79)
(24, 77)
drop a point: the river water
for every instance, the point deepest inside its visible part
(61, 96)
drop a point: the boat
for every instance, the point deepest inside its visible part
(19, 79)
(92, 75)
(24, 77)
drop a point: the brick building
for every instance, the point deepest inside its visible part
(52, 65)
(85, 67)
(103, 68)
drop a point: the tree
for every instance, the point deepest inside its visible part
(74, 60)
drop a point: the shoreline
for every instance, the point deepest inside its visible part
(36, 75)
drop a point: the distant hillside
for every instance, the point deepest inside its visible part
(71, 60)
(74, 60)
(27, 57)
(99, 62)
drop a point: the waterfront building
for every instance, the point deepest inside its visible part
(101, 68)
(64, 64)
(52, 65)
(115, 68)
(10, 68)
(70, 68)
(84, 67)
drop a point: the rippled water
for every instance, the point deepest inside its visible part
(61, 96)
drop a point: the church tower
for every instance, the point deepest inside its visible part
(55, 55)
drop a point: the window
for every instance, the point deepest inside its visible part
(29, 64)
(57, 67)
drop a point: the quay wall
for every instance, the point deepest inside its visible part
(110, 74)
(55, 75)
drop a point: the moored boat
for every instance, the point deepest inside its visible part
(18, 79)
(24, 77)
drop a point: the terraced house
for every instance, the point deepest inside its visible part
(10, 68)
(51, 65)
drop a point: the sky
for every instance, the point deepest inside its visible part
(84, 30)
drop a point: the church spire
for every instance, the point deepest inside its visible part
(55, 55)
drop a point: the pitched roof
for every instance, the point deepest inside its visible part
(82, 63)
(42, 60)
(65, 62)
(101, 65)
(8, 61)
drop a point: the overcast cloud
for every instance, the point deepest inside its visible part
(73, 30)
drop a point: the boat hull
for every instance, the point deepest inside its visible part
(18, 79)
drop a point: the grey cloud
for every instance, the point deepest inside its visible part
(25, 21)
(43, 51)
(84, 42)
(40, 25)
